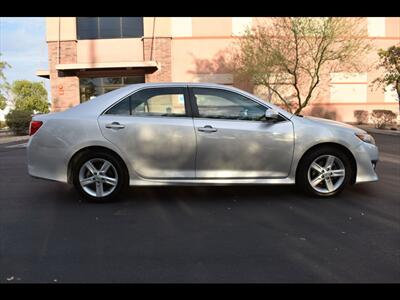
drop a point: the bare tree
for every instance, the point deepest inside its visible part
(289, 55)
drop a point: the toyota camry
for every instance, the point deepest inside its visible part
(194, 133)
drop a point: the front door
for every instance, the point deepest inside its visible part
(154, 129)
(235, 141)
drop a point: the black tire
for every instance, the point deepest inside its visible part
(119, 167)
(302, 180)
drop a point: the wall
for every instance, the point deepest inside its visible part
(196, 59)
(110, 50)
(159, 49)
(64, 90)
(67, 26)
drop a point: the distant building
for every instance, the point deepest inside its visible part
(89, 56)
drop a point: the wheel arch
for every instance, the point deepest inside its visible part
(80, 152)
(340, 147)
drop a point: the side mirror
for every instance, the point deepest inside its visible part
(271, 115)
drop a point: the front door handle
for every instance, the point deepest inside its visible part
(207, 128)
(115, 125)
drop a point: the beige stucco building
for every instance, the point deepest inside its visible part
(90, 56)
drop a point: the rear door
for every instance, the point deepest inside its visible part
(154, 128)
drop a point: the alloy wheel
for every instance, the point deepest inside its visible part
(326, 174)
(98, 177)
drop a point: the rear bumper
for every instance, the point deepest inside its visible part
(45, 161)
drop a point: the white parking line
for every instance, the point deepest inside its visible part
(24, 145)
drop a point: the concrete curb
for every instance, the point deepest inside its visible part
(5, 132)
(10, 139)
(386, 132)
(380, 131)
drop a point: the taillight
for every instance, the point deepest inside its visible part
(34, 126)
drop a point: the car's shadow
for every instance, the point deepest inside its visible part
(142, 194)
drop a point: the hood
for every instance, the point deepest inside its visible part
(335, 124)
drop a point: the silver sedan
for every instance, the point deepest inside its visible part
(193, 133)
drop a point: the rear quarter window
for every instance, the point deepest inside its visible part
(121, 108)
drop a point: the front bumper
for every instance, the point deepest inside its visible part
(367, 156)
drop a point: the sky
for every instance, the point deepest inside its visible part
(23, 46)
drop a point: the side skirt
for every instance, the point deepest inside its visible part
(136, 182)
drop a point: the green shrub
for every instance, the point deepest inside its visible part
(361, 116)
(18, 121)
(382, 117)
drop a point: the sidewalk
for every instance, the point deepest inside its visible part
(10, 139)
(371, 129)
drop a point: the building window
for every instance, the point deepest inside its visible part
(240, 25)
(222, 78)
(376, 26)
(109, 27)
(93, 87)
(348, 87)
(391, 94)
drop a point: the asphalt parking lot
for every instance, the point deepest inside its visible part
(199, 234)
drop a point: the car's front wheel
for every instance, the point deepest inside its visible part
(324, 172)
(98, 176)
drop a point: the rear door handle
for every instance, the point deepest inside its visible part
(207, 128)
(115, 125)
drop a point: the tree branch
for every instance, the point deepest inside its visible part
(268, 85)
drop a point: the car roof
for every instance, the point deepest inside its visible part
(149, 84)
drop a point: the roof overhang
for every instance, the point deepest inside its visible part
(108, 65)
(107, 69)
(43, 73)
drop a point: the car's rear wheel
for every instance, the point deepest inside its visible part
(98, 176)
(324, 172)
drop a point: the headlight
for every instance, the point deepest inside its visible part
(365, 137)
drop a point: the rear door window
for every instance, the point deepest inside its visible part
(165, 102)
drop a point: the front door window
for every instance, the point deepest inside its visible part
(222, 104)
